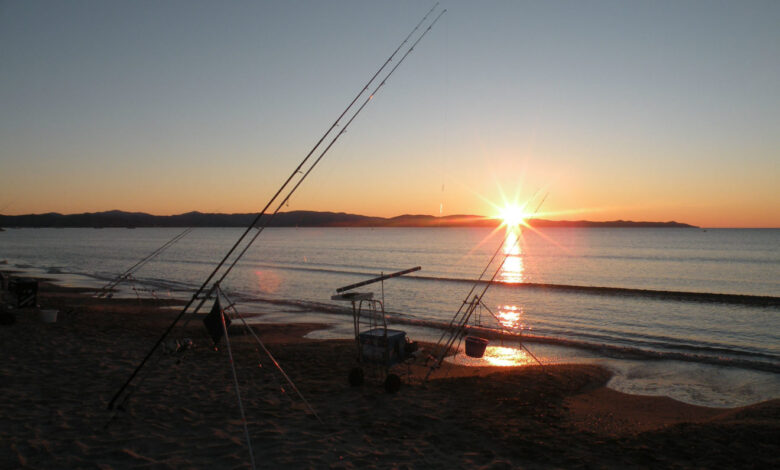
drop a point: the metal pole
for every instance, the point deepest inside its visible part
(270, 356)
(238, 390)
(378, 278)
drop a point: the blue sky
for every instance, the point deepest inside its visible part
(635, 110)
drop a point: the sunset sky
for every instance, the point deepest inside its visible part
(651, 110)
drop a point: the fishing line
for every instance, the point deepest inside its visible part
(106, 289)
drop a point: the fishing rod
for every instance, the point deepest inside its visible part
(451, 328)
(106, 289)
(333, 141)
(484, 270)
(322, 154)
(279, 191)
(314, 149)
(472, 305)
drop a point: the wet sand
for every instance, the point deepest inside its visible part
(57, 379)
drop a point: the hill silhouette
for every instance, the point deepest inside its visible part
(117, 218)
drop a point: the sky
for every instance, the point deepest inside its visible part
(605, 110)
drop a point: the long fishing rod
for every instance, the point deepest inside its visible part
(308, 155)
(478, 298)
(105, 290)
(333, 141)
(270, 202)
(484, 270)
(303, 162)
(322, 154)
(475, 301)
(451, 328)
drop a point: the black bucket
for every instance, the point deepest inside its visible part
(475, 346)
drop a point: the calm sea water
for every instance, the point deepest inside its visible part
(619, 294)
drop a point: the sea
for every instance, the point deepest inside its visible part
(687, 313)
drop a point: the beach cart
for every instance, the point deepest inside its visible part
(379, 348)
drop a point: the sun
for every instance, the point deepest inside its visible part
(513, 215)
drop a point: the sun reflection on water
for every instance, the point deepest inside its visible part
(512, 269)
(268, 281)
(503, 356)
(497, 356)
(510, 316)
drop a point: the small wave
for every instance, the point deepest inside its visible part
(666, 258)
(736, 299)
(604, 345)
(594, 334)
(739, 299)
(685, 352)
(320, 270)
(169, 284)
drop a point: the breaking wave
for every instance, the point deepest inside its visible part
(636, 346)
(603, 345)
(738, 299)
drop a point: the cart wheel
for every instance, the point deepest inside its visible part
(392, 383)
(356, 377)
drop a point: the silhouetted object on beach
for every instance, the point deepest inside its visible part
(378, 347)
(475, 346)
(213, 322)
(25, 291)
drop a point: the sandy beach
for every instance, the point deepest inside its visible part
(57, 379)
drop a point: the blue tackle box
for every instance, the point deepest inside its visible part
(374, 348)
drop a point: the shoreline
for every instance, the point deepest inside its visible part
(750, 382)
(61, 376)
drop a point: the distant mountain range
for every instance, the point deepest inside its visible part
(287, 219)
